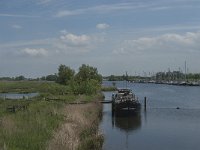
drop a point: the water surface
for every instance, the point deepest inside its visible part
(18, 95)
(161, 126)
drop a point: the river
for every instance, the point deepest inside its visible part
(18, 95)
(162, 126)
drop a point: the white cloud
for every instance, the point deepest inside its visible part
(171, 28)
(75, 40)
(34, 52)
(18, 15)
(32, 43)
(63, 31)
(44, 2)
(101, 9)
(76, 44)
(15, 26)
(102, 26)
(166, 43)
(65, 13)
(65, 44)
(133, 6)
(161, 8)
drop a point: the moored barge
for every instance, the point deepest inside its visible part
(125, 99)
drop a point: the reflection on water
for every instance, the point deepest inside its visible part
(161, 126)
(126, 120)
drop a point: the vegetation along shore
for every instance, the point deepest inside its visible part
(65, 114)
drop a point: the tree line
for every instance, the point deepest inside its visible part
(86, 81)
(159, 76)
(17, 78)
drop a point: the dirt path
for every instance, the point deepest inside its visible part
(78, 119)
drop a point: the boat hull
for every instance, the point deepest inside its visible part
(125, 99)
(127, 105)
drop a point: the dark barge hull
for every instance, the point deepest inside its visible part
(128, 105)
(125, 99)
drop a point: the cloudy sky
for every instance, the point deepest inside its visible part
(113, 35)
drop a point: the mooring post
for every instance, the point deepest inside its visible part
(145, 102)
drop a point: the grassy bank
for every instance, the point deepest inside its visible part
(80, 128)
(33, 86)
(36, 126)
(108, 88)
(29, 128)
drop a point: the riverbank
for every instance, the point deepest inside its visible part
(176, 83)
(80, 128)
(108, 88)
(48, 121)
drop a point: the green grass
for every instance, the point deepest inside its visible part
(32, 86)
(46, 90)
(33, 127)
(30, 128)
(109, 88)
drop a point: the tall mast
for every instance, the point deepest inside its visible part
(126, 79)
(185, 70)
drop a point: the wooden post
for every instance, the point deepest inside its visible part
(145, 102)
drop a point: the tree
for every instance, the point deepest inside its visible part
(65, 74)
(20, 78)
(112, 78)
(87, 80)
(87, 72)
(43, 78)
(51, 77)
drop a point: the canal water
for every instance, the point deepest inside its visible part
(161, 126)
(18, 95)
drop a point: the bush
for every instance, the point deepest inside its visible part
(88, 87)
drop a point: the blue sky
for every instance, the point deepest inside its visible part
(116, 36)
